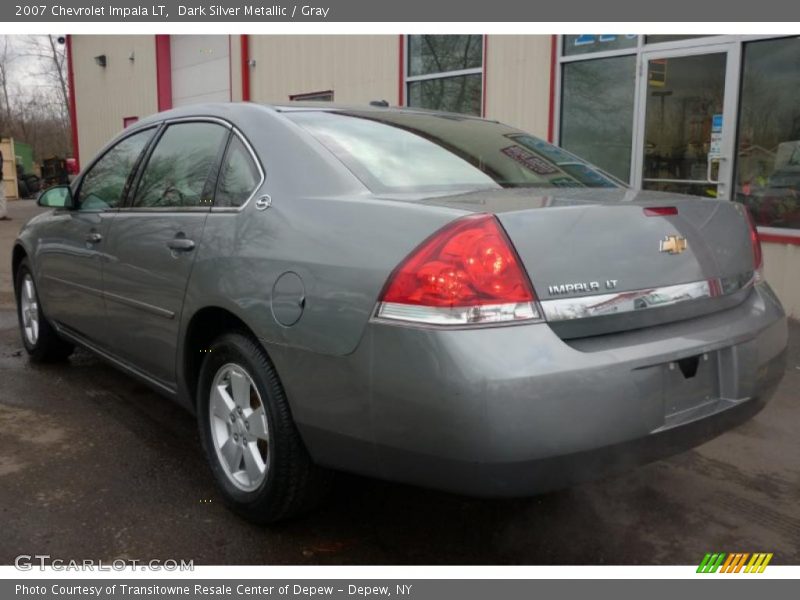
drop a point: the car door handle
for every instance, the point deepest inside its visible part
(94, 238)
(181, 244)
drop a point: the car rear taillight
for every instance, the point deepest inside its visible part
(466, 273)
(758, 255)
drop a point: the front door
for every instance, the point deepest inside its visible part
(687, 121)
(72, 246)
(152, 245)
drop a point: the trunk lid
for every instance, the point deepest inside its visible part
(600, 264)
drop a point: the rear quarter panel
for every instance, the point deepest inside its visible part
(322, 225)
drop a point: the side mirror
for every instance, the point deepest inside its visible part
(59, 196)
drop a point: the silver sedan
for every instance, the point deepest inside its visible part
(428, 298)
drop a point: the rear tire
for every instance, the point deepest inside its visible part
(256, 455)
(41, 341)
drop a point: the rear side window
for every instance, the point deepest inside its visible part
(238, 177)
(179, 166)
(104, 184)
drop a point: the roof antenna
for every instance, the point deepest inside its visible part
(381, 103)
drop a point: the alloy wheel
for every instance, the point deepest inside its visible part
(239, 428)
(29, 307)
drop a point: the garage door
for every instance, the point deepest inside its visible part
(200, 69)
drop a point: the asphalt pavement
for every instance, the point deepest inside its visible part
(95, 465)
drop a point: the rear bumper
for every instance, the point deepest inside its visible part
(539, 475)
(515, 410)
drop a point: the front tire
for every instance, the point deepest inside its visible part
(41, 341)
(256, 455)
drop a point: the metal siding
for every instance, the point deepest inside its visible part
(357, 68)
(104, 96)
(517, 81)
(780, 270)
(236, 67)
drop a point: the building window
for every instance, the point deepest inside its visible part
(597, 112)
(326, 96)
(128, 121)
(445, 72)
(768, 145)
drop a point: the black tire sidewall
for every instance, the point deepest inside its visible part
(24, 269)
(49, 346)
(240, 350)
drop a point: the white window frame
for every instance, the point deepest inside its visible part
(641, 50)
(407, 79)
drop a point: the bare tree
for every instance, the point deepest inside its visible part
(51, 57)
(6, 58)
(34, 94)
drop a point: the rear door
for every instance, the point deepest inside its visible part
(72, 246)
(153, 242)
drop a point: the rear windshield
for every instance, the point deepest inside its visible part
(400, 151)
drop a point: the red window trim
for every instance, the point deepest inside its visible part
(73, 108)
(128, 121)
(401, 46)
(245, 47)
(484, 78)
(551, 120)
(163, 72)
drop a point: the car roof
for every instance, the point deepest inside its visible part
(234, 111)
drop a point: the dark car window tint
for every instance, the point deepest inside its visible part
(238, 176)
(103, 185)
(407, 151)
(177, 170)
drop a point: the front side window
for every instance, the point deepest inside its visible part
(405, 151)
(768, 161)
(179, 166)
(238, 177)
(104, 184)
(445, 72)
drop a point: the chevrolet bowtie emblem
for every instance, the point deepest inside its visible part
(673, 244)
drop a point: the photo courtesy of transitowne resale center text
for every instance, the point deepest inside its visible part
(398, 300)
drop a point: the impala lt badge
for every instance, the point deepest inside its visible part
(673, 244)
(572, 288)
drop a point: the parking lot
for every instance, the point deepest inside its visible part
(95, 465)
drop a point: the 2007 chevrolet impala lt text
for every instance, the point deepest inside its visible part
(428, 298)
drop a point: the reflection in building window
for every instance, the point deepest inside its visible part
(445, 72)
(768, 162)
(597, 112)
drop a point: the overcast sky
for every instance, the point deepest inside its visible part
(25, 72)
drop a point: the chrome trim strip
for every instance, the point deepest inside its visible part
(161, 312)
(199, 118)
(583, 307)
